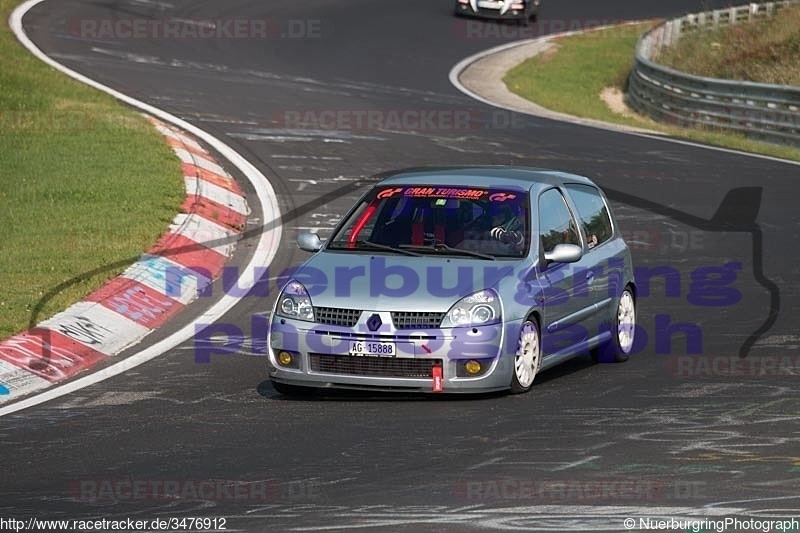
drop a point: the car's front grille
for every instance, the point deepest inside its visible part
(336, 316)
(388, 337)
(416, 319)
(351, 365)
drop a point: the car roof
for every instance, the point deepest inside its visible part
(478, 176)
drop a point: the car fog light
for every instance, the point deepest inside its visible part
(285, 358)
(472, 367)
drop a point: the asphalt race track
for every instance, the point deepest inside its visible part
(590, 444)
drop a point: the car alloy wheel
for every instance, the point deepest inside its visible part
(626, 322)
(619, 348)
(528, 357)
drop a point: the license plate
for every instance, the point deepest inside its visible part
(373, 348)
(490, 4)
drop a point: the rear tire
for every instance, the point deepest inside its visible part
(619, 348)
(528, 358)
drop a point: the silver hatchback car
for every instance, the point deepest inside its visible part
(456, 280)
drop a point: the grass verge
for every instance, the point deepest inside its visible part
(84, 182)
(571, 78)
(762, 51)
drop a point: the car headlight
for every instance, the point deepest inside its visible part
(477, 309)
(294, 302)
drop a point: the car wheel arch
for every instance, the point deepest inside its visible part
(634, 291)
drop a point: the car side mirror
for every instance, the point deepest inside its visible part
(564, 253)
(310, 242)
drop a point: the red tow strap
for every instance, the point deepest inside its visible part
(437, 379)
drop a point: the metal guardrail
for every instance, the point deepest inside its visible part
(759, 110)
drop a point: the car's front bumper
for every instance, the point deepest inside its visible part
(526, 10)
(321, 356)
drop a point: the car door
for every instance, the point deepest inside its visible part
(605, 254)
(568, 305)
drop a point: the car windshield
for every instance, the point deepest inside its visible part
(438, 220)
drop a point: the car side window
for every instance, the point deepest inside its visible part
(592, 212)
(556, 225)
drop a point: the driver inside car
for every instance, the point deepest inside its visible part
(501, 225)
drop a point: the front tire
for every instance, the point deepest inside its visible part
(528, 357)
(291, 390)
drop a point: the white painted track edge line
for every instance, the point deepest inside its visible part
(265, 251)
(462, 65)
